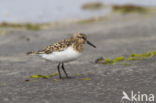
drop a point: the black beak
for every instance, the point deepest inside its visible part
(88, 42)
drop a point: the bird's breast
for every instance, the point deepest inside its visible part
(66, 55)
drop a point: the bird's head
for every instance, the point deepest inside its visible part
(82, 39)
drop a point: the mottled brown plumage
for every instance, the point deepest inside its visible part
(76, 41)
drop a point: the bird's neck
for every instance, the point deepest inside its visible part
(78, 46)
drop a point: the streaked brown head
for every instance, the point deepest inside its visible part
(82, 39)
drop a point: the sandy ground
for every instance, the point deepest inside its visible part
(117, 36)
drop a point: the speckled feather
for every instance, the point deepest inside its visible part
(60, 46)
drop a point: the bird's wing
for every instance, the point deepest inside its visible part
(59, 46)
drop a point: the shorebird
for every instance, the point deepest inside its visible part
(64, 51)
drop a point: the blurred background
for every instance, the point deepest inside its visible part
(42, 11)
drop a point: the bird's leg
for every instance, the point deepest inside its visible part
(58, 68)
(64, 70)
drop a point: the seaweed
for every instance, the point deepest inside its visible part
(44, 76)
(86, 78)
(92, 20)
(129, 8)
(56, 80)
(117, 59)
(27, 26)
(93, 6)
(3, 84)
(2, 32)
(134, 56)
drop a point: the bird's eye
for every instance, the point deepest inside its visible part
(84, 38)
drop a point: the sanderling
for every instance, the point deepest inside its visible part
(64, 51)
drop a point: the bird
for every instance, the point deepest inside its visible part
(64, 51)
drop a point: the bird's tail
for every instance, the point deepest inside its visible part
(30, 53)
(34, 52)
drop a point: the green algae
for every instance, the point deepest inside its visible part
(44, 76)
(101, 60)
(56, 80)
(78, 74)
(38, 76)
(54, 74)
(108, 61)
(2, 32)
(141, 56)
(27, 26)
(3, 84)
(33, 27)
(92, 20)
(128, 8)
(93, 72)
(154, 52)
(117, 59)
(93, 6)
(127, 64)
(86, 78)
(134, 56)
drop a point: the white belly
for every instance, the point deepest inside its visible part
(68, 54)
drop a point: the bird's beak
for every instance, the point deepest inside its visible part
(88, 42)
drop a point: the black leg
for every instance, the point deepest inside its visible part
(64, 70)
(58, 68)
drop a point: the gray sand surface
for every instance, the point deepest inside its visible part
(117, 36)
